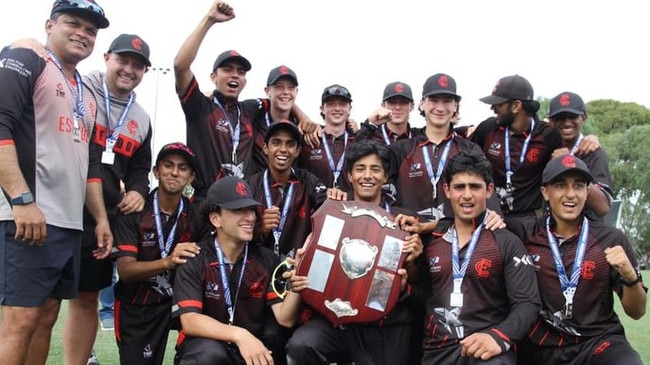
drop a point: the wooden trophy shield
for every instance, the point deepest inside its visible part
(351, 262)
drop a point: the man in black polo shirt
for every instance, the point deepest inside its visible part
(326, 161)
(221, 294)
(390, 122)
(149, 246)
(580, 264)
(288, 196)
(567, 114)
(422, 159)
(387, 341)
(518, 145)
(482, 299)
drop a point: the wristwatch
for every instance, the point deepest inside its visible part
(23, 199)
(633, 282)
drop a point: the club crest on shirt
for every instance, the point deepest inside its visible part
(588, 269)
(256, 290)
(132, 127)
(483, 267)
(533, 155)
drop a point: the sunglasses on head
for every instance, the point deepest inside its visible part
(337, 91)
(87, 5)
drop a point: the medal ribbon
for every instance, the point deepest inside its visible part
(165, 245)
(567, 285)
(226, 283)
(110, 141)
(509, 170)
(277, 232)
(78, 105)
(385, 134)
(328, 153)
(575, 145)
(434, 178)
(460, 270)
(234, 133)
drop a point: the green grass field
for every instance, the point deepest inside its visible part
(637, 333)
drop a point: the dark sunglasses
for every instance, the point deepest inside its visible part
(337, 91)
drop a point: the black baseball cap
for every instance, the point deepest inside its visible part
(279, 72)
(440, 84)
(231, 55)
(336, 91)
(130, 43)
(566, 102)
(562, 165)
(397, 88)
(230, 192)
(87, 7)
(177, 148)
(508, 88)
(283, 126)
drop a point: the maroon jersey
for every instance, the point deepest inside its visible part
(198, 286)
(308, 193)
(498, 298)
(136, 236)
(383, 134)
(261, 124)
(593, 303)
(315, 160)
(413, 183)
(598, 163)
(526, 197)
(209, 122)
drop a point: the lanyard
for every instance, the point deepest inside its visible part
(385, 134)
(339, 165)
(78, 105)
(269, 121)
(110, 141)
(460, 270)
(434, 178)
(509, 170)
(234, 132)
(567, 285)
(267, 118)
(165, 246)
(277, 232)
(226, 283)
(575, 145)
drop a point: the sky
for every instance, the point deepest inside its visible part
(596, 49)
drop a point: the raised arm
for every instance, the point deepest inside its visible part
(219, 12)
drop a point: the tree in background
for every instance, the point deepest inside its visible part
(624, 132)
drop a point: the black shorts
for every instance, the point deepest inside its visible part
(198, 351)
(608, 349)
(95, 274)
(29, 274)
(318, 342)
(451, 355)
(141, 332)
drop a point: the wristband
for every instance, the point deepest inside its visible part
(633, 282)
